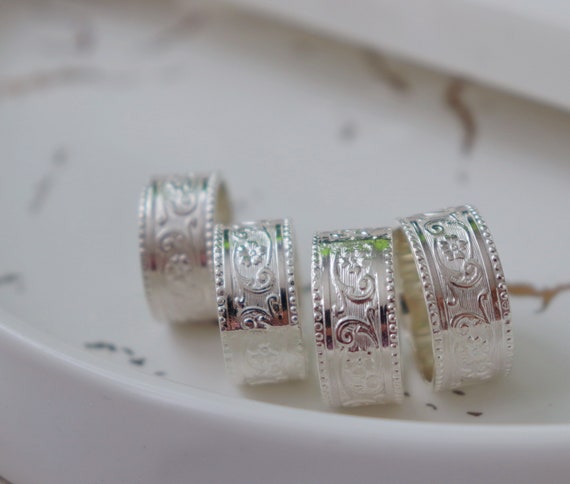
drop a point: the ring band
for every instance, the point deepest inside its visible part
(354, 308)
(176, 220)
(257, 302)
(454, 296)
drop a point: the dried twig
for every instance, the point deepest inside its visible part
(547, 294)
(454, 99)
(40, 80)
(383, 71)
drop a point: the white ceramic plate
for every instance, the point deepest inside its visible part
(513, 44)
(96, 97)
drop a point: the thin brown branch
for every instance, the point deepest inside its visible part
(40, 80)
(546, 295)
(455, 101)
(383, 71)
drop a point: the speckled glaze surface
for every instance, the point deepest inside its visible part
(97, 96)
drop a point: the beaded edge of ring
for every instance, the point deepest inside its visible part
(214, 184)
(431, 302)
(502, 289)
(292, 296)
(290, 264)
(318, 315)
(221, 297)
(392, 318)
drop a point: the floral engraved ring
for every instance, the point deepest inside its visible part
(454, 297)
(177, 216)
(356, 327)
(256, 295)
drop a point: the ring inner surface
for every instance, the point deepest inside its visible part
(223, 212)
(412, 305)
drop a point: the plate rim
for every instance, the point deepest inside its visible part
(58, 354)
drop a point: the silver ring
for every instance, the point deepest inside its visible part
(454, 296)
(354, 308)
(176, 220)
(257, 302)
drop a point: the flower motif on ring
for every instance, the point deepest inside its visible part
(178, 267)
(362, 372)
(453, 247)
(355, 259)
(181, 193)
(264, 359)
(250, 253)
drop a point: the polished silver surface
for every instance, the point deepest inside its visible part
(254, 269)
(176, 220)
(454, 297)
(354, 307)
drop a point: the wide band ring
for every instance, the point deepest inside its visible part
(454, 296)
(257, 302)
(356, 328)
(176, 221)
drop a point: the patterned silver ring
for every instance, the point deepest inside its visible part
(356, 328)
(257, 302)
(176, 220)
(454, 297)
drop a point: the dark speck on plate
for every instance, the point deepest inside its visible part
(475, 414)
(9, 278)
(128, 351)
(101, 345)
(348, 131)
